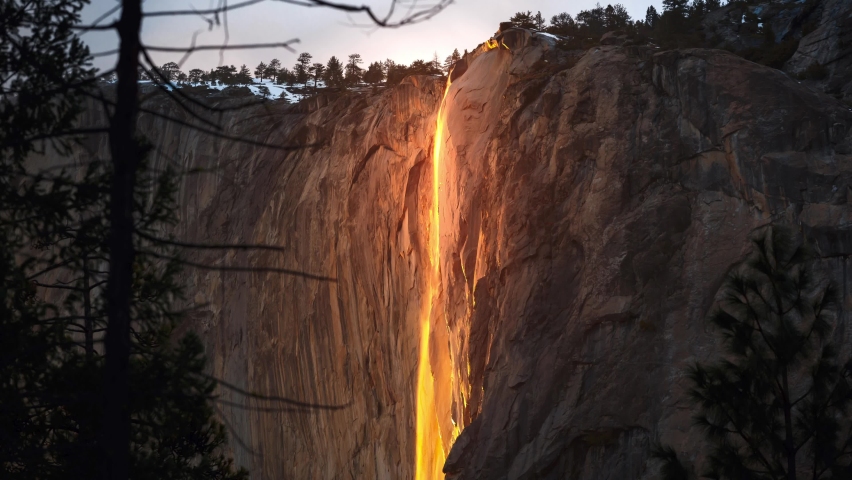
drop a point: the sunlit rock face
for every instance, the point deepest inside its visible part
(589, 207)
(590, 216)
(353, 204)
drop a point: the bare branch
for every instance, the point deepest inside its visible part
(228, 268)
(104, 54)
(174, 93)
(284, 400)
(381, 21)
(205, 246)
(261, 409)
(213, 11)
(224, 47)
(107, 14)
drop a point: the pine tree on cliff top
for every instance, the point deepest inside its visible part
(333, 75)
(353, 71)
(302, 67)
(523, 20)
(260, 71)
(777, 404)
(452, 59)
(243, 76)
(374, 74)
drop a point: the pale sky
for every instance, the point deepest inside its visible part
(324, 32)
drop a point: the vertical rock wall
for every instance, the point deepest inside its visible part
(352, 205)
(589, 208)
(590, 216)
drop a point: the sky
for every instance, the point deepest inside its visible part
(323, 32)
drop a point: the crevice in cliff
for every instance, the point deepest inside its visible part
(363, 163)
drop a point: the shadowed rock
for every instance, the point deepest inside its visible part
(589, 209)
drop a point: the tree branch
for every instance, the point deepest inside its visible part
(287, 401)
(225, 268)
(210, 246)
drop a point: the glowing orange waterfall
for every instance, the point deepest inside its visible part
(430, 453)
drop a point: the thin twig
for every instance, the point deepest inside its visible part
(287, 401)
(210, 246)
(227, 268)
(246, 46)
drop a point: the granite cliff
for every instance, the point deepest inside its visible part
(588, 207)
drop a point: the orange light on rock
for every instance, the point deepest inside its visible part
(430, 455)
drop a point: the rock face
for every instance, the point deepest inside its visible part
(605, 206)
(829, 45)
(813, 39)
(354, 206)
(589, 209)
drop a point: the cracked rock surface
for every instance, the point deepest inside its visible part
(589, 209)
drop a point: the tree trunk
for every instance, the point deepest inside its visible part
(115, 430)
(87, 311)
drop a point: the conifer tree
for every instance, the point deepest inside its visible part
(523, 20)
(243, 77)
(260, 71)
(54, 253)
(195, 75)
(616, 17)
(301, 69)
(374, 74)
(317, 70)
(452, 59)
(353, 71)
(333, 75)
(591, 23)
(538, 21)
(271, 70)
(677, 7)
(561, 24)
(395, 72)
(94, 381)
(651, 17)
(776, 404)
(170, 70)
(285, 76)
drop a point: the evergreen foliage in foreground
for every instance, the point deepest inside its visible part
(777, 403)
(51, 362)
(54, 262)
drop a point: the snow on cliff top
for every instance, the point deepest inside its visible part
(275, 90)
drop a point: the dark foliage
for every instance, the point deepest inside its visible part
(682, 24)
(39, 57)
(54, 261)
(776, 405)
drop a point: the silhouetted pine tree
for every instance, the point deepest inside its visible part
(260, 71)
(54, 256)
(302, 67)
(523, 20)
(374, 74)
(353, 71)
(333, 75)
(777, 404)
(243, 76)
